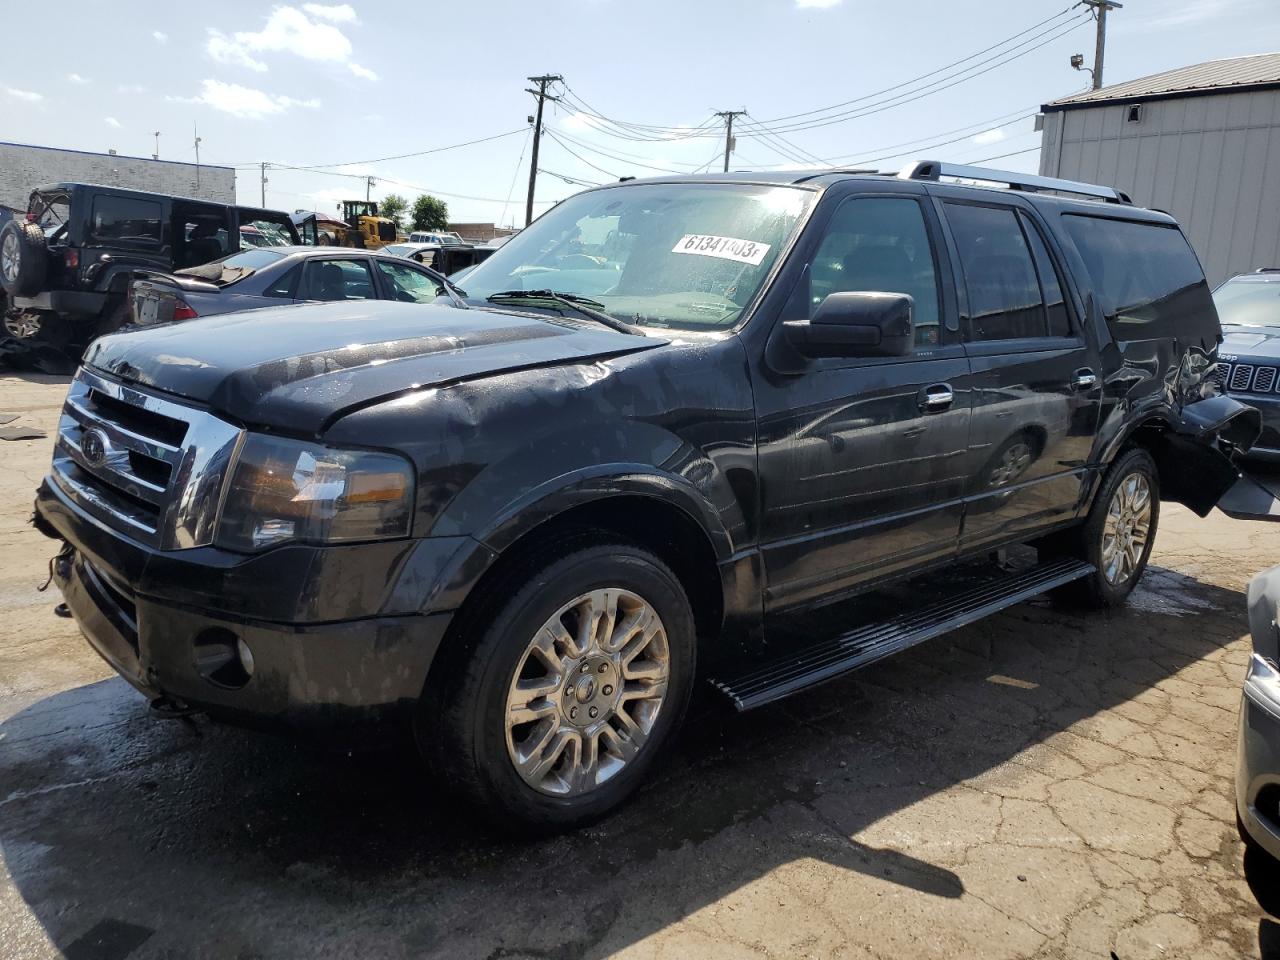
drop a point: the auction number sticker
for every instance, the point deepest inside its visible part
(726, 248)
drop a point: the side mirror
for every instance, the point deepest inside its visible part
(857, 324)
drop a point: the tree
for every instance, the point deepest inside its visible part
(430, 213)
(393, 208)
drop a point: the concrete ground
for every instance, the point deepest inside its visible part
(1043, 784)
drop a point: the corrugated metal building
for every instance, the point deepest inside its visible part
(25, 166)
(1202, 142)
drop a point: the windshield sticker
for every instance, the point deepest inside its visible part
(726, 248)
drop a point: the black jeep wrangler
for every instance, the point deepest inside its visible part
(656, 431)
(66, 267)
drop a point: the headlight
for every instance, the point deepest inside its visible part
(288, 490)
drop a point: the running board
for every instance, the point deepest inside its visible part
(811, 665)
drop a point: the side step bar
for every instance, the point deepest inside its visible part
(808, 666)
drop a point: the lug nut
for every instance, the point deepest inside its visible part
(573, 713)
(608, 690)
(586, 668)
(604, 667)
(593, 712)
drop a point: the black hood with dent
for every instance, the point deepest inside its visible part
(1250, 343)
(296, 368)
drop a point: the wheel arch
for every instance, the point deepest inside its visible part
(637, 513)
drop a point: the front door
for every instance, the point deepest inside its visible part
(862, 461)
(1036, 391)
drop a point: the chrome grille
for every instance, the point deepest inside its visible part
(141, 464)
(1241, 376)
(1264, 380)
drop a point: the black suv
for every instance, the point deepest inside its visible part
(66, 267)
(658, 429)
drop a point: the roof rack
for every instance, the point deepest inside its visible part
(1267, 270)
(936, 169)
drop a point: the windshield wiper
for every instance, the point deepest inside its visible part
(589, 308)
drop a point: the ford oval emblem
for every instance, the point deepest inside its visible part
(93, 444)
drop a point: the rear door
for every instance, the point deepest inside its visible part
(337, 278)
(1036, 389)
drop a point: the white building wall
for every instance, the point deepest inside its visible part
(24, 167)
(1211, 161)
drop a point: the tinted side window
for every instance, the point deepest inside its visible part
(1149, 280)
(881, 244)
(407, 284)
(1004, 291)
(1050, 283)
(125, 221)
(285, 285)
(337, 280)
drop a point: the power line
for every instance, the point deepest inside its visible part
(804, 156)
(931, 73)
(729, 116)
(519, 162)
(1001, 156)
(568, 179)
(945, 83)
(592, 148)
(404, 156)
(564, 146)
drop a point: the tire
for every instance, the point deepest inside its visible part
(533, 776)
(38, 326)
(1090, 542)
(24, 258)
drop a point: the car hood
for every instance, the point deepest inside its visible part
(297, 368)
(1250, 343)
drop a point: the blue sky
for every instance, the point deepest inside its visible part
(341, 86)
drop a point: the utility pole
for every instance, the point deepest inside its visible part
(543, 97)
(1100, 8)
(156, 155)
(195, 131)
(368, 188)
(729, 116)
(264, 185)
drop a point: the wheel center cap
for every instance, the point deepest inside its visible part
(585, 689)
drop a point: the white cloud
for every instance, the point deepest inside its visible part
(159, 36)
(225, 50)
(76, 78)
(244, 101)
(338, 13)
(131, 88)
(989, 136)
(817, 4)
(28, 95)
(364, 73)
(288, 30)
(111, 122)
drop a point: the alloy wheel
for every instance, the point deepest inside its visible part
(587, 692)
(1125, 532)
(9, 257)
(22, 324)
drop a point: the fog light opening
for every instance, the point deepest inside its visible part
(222, 658)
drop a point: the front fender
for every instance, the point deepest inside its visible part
(551, 474)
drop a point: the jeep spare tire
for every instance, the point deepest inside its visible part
(24, 258)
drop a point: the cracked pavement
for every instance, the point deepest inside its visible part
(1044, 784)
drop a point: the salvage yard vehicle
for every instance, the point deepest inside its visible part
(667, 422)
(273, 276)
(66, 267)
(1258, 745)
(1249, 358)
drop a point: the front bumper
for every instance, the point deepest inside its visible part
(1258, 756)
(163, 619)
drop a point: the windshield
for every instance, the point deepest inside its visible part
(235, 267)
(1250, 303)
(683, 255)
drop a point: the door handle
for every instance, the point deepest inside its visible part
(935, 398)
(1084, 379)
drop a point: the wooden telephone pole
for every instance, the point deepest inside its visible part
(543, 97)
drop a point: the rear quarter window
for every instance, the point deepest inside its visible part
(125, 221)
(1147, 277)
